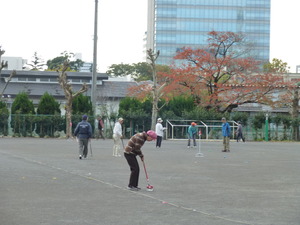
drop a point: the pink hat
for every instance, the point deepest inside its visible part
(152, 134)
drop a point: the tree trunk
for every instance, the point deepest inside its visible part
(155, 92)
(69, 96)
(69, 118)
(154, 114)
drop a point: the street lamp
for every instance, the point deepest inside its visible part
(94, 71)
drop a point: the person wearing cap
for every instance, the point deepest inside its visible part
(133, 149)
(117, 135)
(192, 131)
(159, 130)
(239, 132)
(226, 135)
(83, 132)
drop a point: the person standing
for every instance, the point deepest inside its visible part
(133, 149)
(239, 132)
(83, 132)
(226, 135)
(101, 128)
(159, 130)
(117, 135)
(192, 131)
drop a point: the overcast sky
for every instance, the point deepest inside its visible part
(50, 27)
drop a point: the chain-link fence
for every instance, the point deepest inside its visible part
(20, 125)
(31, 125)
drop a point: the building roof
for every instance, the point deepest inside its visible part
(35, 89)
(51, 74)
(114, 89)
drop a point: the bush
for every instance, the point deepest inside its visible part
(48, 119)
(4, 115)
(21, 124)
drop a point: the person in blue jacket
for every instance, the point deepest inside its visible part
(83, 132)
(226, 134)
(192, 131)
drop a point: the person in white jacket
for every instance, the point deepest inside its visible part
(117, 135)
(159, 130)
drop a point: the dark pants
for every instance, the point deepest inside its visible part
(101, 134)
(240, 136)
(194, 139)
(158, 141)
(134, 168)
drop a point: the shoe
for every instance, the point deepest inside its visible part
(188, 146)
(131, 188)
(80, 157)
(137, 188)
(224, 151)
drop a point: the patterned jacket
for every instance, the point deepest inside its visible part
(135, 143)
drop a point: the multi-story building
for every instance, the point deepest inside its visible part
(14, 63)
(173, 24)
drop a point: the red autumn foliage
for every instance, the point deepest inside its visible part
(218, 76)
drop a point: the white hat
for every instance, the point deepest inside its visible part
(159, 120)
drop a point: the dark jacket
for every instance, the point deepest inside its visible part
(135, 143)
(83, 130)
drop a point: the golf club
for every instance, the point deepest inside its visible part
(149, 187)
(123, 143)
(91, 148)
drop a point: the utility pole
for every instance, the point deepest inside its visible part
(94, 70)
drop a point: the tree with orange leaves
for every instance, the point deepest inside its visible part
(219, 77)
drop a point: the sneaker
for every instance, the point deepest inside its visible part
(188, 146)
(80, 157)
(132, 188)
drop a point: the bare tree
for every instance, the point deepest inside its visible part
(157, 89)
(69, 95)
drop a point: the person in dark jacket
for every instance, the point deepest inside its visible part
(83, 132)
(132, 150)
(101, 128)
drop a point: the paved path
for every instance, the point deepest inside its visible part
(43, 182)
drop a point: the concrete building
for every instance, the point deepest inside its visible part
(173, 24)
(14, 63)
(86, 67)
(36, 83)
